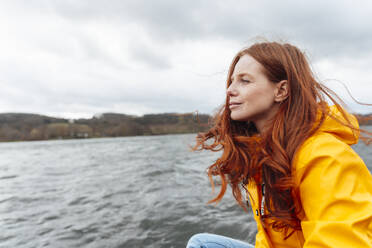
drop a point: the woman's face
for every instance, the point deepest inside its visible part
(251, 94)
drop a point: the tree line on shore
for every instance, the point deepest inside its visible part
(20, 127)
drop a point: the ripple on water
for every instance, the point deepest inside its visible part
(81, 200)
(8, 177)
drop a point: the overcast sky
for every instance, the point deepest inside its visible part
(77, 58)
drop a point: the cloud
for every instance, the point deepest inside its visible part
(331, 25)
(84, 57)
(148, 54)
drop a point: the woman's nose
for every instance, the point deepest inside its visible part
(231, 91)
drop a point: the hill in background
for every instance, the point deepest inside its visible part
(17, 127)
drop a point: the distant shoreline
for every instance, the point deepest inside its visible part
(32, 127)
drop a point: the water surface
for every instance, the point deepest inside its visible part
(114, 192)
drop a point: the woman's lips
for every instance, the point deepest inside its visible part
(233, 105)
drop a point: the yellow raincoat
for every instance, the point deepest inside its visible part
(335, 189)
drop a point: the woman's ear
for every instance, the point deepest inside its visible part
(282, 91)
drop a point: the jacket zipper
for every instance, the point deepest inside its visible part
(263, 200)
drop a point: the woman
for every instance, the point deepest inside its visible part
(289, 153)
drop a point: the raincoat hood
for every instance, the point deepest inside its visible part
(345, 128)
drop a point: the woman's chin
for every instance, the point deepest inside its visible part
(237, 118)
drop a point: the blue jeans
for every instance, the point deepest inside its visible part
(207, 240)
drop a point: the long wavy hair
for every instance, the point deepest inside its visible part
(268, 156)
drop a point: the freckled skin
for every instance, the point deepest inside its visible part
(253, 92)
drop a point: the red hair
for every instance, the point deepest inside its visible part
(248, 156)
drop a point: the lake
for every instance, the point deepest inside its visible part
(148, 191)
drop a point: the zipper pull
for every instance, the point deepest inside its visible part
(263, 200)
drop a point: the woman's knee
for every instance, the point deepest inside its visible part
(208, 240)
(197, 240)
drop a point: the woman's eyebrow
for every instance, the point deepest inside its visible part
(241, 75)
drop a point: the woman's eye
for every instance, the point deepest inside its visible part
(245, 81)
